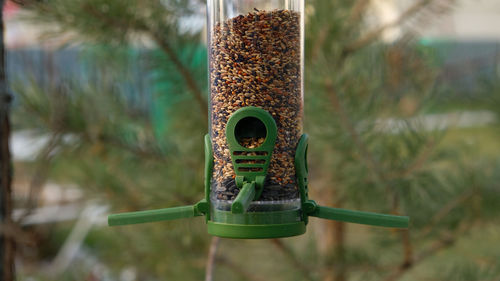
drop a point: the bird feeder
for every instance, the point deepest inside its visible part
(255, 154)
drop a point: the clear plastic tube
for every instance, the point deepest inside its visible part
(256, 59)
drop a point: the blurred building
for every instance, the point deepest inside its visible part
(460, 19)
(469, 20)
(18, 32)
(464, 35)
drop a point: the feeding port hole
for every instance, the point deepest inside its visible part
(250, 132)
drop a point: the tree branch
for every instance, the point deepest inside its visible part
(357, 10)
(436, 247)
(14, 232)
(191, 83)
(341, 270)
(366, 156)
(373, 35)
(40, 176)
(140, 152)
(162, 42)
(237, 269)
(404, 235)
(407, 247)
(446, 241)
(418, 163)
(320, 40)
(211, 260)
(450, 206)
(7, 243)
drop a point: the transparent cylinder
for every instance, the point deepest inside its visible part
(256, 59)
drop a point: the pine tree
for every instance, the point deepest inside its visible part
(369, 147)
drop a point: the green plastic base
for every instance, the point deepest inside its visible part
(262, 231)
(249, 219)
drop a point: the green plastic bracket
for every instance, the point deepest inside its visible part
(209, 166)
(202, 207)
(301, 172)
(250, 164)
(358, 217)
(301, 167)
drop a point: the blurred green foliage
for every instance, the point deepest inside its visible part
(128, 156)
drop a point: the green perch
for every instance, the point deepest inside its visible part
(329, 213)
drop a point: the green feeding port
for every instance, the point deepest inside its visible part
(250, 158)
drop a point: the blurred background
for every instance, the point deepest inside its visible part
(402, 103)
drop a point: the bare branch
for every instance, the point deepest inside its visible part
(211, 260)
(357, 10)
(404, 235)
(140, 152)
(447, 240)
(450, 206)
(238, 270)
(407, 247)
(320, 40)
(12, 231)
(436, 247)
(418, 163)
(40, 176)
(340, 232)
